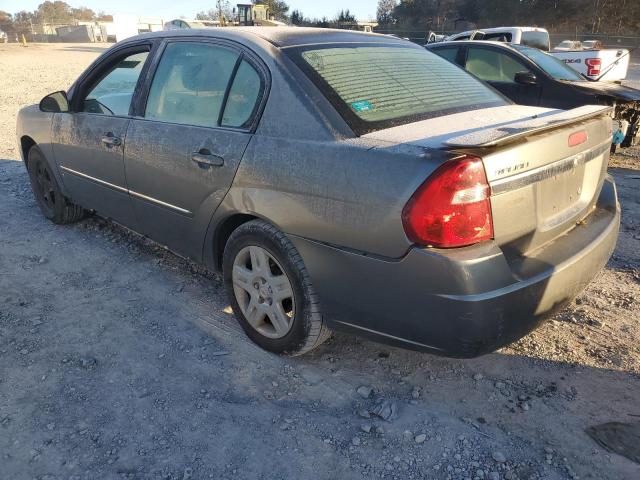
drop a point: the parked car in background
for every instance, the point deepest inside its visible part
(338, 179)
(528, 76)
(3, 37)
(592, 45)
(569, 45)
(181, 23)
(530, 36)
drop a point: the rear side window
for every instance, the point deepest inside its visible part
(190, 83)
(536, 40)
(447, 53)
(493, 66)
(243, 97)
(497, 37)
(376, 87)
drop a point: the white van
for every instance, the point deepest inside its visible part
(530, 36)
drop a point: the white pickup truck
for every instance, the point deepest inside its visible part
(530, 36)
(596, 64)
(610, 64)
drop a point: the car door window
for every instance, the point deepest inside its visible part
(243, 97)
(448, 53)
(190, 83)
(493, 66)
(113, 93)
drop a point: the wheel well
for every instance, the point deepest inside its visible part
(223, 233)
(26, 143)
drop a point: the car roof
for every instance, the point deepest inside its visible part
(281, 37)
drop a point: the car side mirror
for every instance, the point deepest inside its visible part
(56, 102)
(525, 78)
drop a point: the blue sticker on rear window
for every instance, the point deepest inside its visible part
(362, 106)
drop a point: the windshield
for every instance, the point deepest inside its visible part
(375, 87)
(552, 65)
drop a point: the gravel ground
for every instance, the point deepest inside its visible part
(121, 360)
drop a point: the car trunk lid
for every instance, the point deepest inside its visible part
(545, 168)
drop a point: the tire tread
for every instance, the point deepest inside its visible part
(318, 332)
(69, 212)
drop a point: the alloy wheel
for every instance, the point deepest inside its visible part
(263, 292)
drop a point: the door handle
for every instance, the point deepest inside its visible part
(206, 159)
(110, 140)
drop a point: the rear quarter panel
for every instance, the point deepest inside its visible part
(347, 193)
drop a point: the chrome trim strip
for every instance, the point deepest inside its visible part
(159, 202)
(547, 171)
(94, 179)
(124, 190)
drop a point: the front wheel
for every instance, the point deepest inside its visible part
(270, 290)
(53, 204)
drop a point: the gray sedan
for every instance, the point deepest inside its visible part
(339, 180)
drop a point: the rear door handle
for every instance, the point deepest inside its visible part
(110, 140)
(205, 158)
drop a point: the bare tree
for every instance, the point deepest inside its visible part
(384, 12)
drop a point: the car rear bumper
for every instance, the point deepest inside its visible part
(463, 302)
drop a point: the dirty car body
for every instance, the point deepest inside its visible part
(321, 155)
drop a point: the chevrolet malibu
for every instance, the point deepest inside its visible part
(338, 180)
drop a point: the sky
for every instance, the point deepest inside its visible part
(168, 9)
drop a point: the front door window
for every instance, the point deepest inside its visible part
(113, 93)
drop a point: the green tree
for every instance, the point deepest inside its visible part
(22, 23)
(6, 22)
(345, 16)
(277, 8)
(83, 14)
(322, 23)
(54, 12)
(297, 18)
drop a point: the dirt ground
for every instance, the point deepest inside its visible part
(120, 360)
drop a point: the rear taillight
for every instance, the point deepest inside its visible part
(451, 208)
(593, 66)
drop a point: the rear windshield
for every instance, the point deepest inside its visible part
(535, 39)
(376, 87)
(552, 65)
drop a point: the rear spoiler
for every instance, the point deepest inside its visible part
(496, 136)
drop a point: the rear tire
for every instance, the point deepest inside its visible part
(53, 204)
(259, 263)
